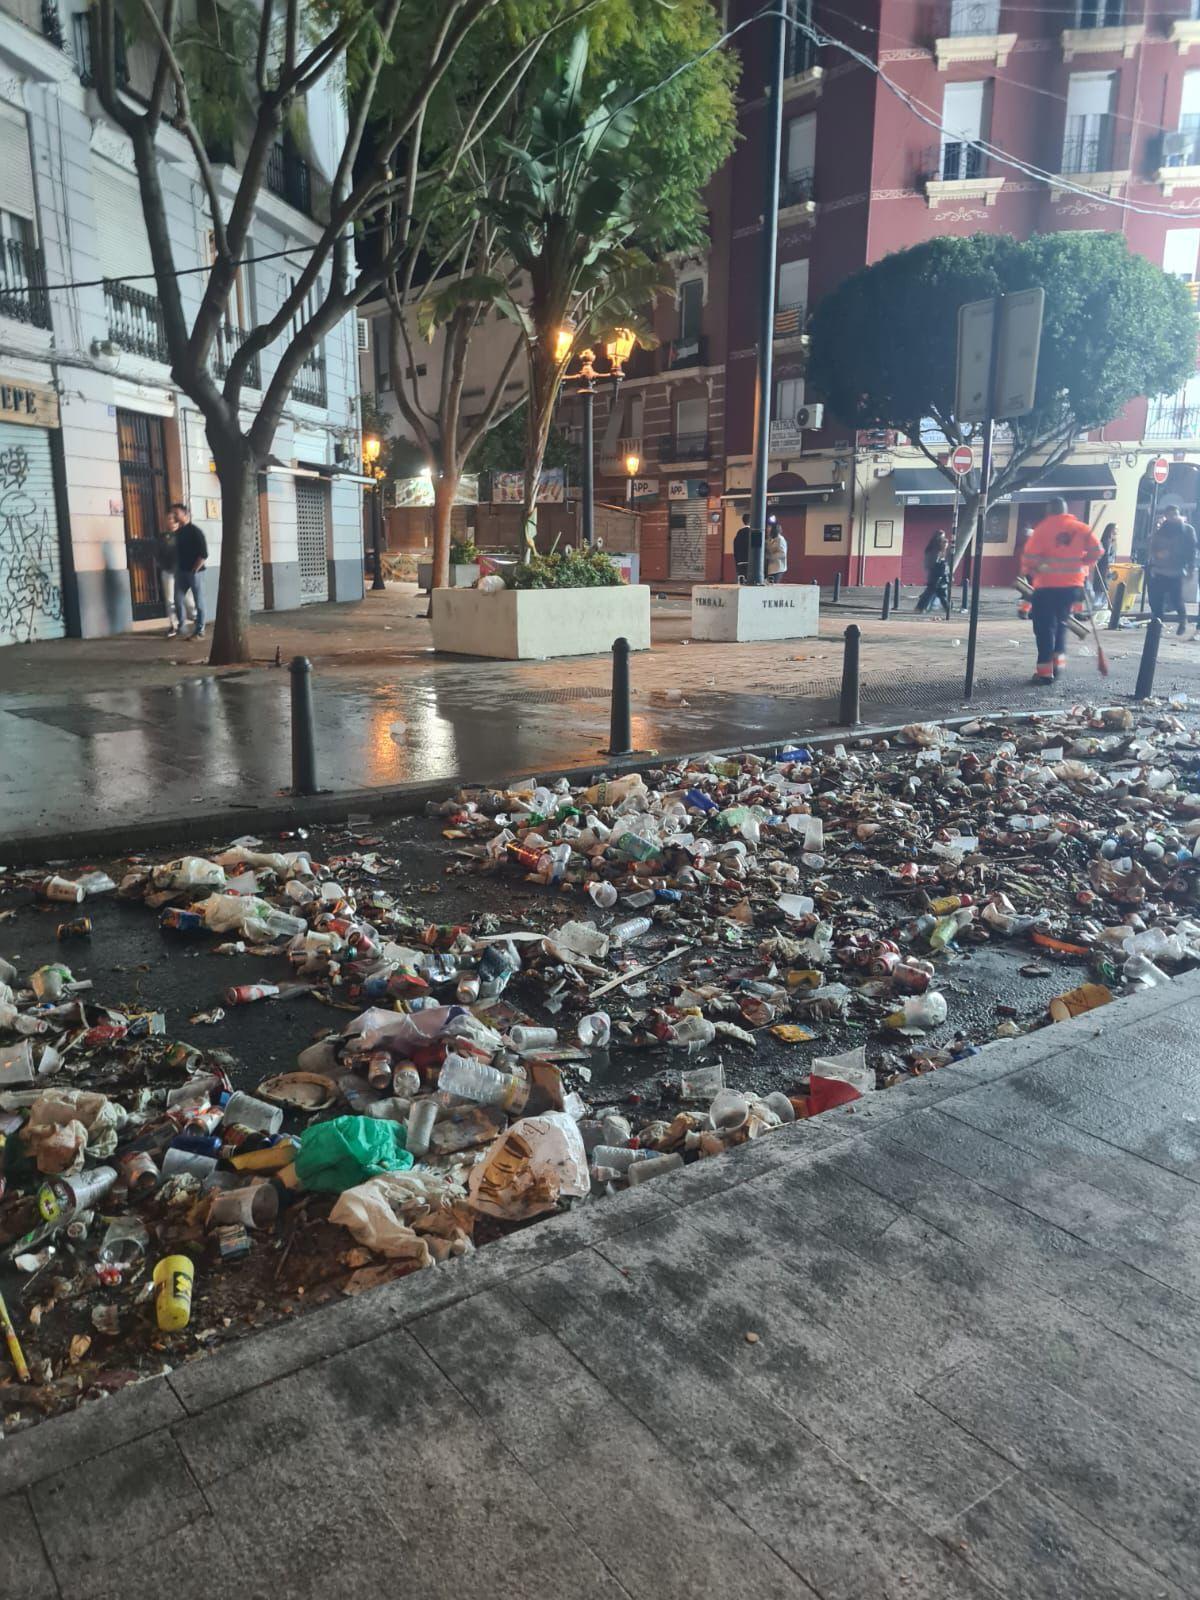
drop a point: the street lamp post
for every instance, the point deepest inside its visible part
(618, 348)
(371, 449)
(633, 463)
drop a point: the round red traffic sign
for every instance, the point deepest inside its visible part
(1160, 469)
(962, 460)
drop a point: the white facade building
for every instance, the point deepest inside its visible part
(95, 439)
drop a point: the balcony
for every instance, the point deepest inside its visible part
(969, 30)
(135, 63)
(42, 16)
(1168, 419)
(687, 352)
(1179, 157)
(21, 275)
(1095, 155)
(683, 447)
(789, 326)
(289, 176)
(614, 465)
(228, 342)
(801, 74)
(1185, 31)
(796, 195)
(1101, 29)
(958, 170)
(308, 386)
(135, 321)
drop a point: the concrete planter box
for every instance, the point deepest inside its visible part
(732, 613)
(462, 574)
(531, 624)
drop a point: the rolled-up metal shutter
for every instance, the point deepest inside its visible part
(16, 167)
(120, 226)
(31, 596)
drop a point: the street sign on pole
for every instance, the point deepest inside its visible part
(1005, 387)
(1160, 469)
(962, 460)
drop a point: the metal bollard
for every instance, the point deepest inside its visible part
(837, 587)
(848, 708)
(886, 610)
(896, 595)
(304, 739)
(966, 595)
(1116, 608)
(620, 736)
(1145, 678)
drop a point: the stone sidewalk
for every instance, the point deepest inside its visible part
(976, 1375)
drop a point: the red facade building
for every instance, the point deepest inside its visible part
(1102, 96)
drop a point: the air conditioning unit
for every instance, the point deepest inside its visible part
(364, 334)
(810, 416)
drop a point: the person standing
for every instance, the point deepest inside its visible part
(741, 551)
(776, 551)
(1169, 560)
(191, 557)
(937, 573)
(1058, 555)
(1108, 548)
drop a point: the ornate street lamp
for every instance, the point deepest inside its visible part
(618, 347)
(372, 448)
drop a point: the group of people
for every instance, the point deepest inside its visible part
(181, 554)
(775, 552)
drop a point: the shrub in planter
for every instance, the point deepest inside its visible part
(568, 569)
(463, 553)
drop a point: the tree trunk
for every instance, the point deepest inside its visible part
(968, 519)
(237, 473)
(444, 488)
(545, 378)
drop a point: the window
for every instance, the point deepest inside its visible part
(691, 425)
(635, 416)
(801, 149)
(1088, 136)
(21, 294)
(793, 286)
(1180, 250)
(789, 398)
(691, 310)
(800, 51)
(380, 354)
(239, 312)
(1182, 149)
(964, 107)
(1099, 13)
(974, 17)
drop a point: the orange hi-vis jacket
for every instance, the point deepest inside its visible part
(1065, 547)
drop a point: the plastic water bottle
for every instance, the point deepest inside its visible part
(619, 1158)
(626, 932)
(691, 1032)
(643, 1171)
(1140, 969)
(533, 1038)
(473, 1080)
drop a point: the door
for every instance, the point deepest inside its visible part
(31, 597)
(145, 496)
(311, 537)
(687, 525)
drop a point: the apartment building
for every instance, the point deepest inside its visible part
(95, 439)
(1102, 95)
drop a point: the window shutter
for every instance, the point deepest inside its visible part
(16, 167)
(120, 227)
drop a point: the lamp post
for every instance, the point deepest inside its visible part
(633, 463)
(617, 347)
(372, 447)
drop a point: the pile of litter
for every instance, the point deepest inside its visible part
(820, 909)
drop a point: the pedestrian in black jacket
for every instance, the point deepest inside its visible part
(191, 557)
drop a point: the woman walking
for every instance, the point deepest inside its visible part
(937, 573)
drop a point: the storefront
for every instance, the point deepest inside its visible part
(31, 562)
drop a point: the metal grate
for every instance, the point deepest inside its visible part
(529, 697)
(310, 539)
(257, 592)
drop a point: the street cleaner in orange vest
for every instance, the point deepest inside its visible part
(1058, 555)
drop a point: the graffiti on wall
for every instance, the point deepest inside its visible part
(31, 600)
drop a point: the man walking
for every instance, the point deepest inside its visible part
(191, 554)
(1171, 557)
(1058, 555)
(741, 551)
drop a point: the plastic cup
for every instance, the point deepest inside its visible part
(247, 1112)
(255, 1205)
(180, 1163)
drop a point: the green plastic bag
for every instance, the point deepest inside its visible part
(337, 1155)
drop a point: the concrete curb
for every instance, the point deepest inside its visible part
(264, 1358)
(88, 844)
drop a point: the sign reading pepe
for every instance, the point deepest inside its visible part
(34, 404)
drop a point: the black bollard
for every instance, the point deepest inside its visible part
(896, 595)
(620, 738)
(1145, 677)
(966, 595)
(837, 587)
(886, 609)
(304, 739)
(848, 711)
(1116, 608)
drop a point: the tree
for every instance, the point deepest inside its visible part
(242, 70)
(503, 448)
(577, 193)
(883, 345)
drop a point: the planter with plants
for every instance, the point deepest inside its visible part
(464, 566)
(568, 603)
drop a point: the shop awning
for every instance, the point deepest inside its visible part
(926, 486)
(815, 495)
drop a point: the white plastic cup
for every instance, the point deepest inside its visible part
(180, 1163)
(244, 1111)
(421, 1119)
(255, 1205)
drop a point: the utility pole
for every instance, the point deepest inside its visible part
(764, 383)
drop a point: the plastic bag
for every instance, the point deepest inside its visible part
(385, 1213)
(539, 1161)
(337, 1155)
